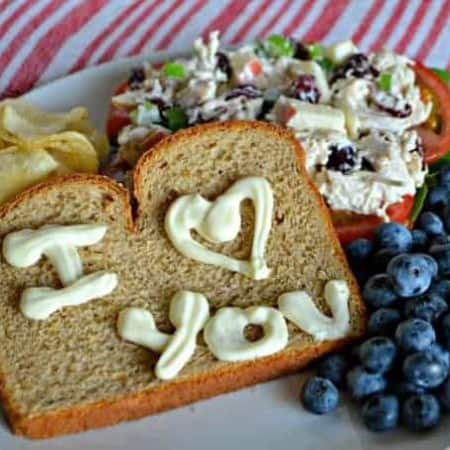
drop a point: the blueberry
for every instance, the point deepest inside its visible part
(359, 251)
(378, 354)
(429, 307)
(444, 331)
(440, 353)
(381, 412)
(424, 369)
(393, 236)
(319, 395)
(411, 274)
(444, 396)
(383, 321)
(444, 177)
(414, 335)
(431, 223)
(381, 258)
(378, 291)
(441, 253)
(362, 383)
(333, 368)
(405, 388)
(419, 240)
(441, 288)
(446, 218)
(437, 199)
(440, 239)
(420, 412)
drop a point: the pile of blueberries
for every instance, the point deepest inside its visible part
(400, 373)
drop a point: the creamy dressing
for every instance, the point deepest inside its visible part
(189, 312)
(220, 221)
(299, 308)
(355, 109)
(224, 333)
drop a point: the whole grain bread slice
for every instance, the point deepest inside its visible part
(72, 372)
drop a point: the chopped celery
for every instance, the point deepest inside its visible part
(174, 70)
(176, 118)
(316, 51)
(384, 82)
(277, 46)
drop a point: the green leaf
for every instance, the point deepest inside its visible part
(384, 82)
(438, 165)
(419, 202)
(316, 51)
(277, 46)
(176, 118)
(443, 74)
(174, 70)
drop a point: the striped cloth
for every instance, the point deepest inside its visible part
(44, 39)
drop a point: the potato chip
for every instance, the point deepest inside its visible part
(22, 123)
(72, 150)
(20, 169)
(35, 145)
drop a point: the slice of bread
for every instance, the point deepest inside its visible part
(72, 372)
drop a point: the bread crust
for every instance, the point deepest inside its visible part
(183, 389)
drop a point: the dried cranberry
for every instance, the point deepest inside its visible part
(223, 64)
(300, 50)
(367, 165)
(341, 159)
(304, 88)
(395, 106)
(136, 77)
(356, 66)
(244, 90)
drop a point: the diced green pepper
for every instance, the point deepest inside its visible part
(176, 118)
(316, 51)
(384, 82)
(174, 70)
(277, 46)
(443, 74)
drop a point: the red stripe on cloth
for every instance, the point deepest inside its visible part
(432, 36)
(325, 22)
(24, 34)
(412, 28)
(297, 20)
(47, 47)
(387, 30)
(369, 18)
(274, 20)
(93, 46)
(5, 26)
(179, 25)
(155, 27)
(247, 25)
(127, 32)
(224, 18)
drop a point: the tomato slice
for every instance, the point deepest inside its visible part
(436, 142)
(117, 117)
(351, 226)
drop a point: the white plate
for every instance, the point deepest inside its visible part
(268, 416)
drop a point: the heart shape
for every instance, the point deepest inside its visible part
(220, 221)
